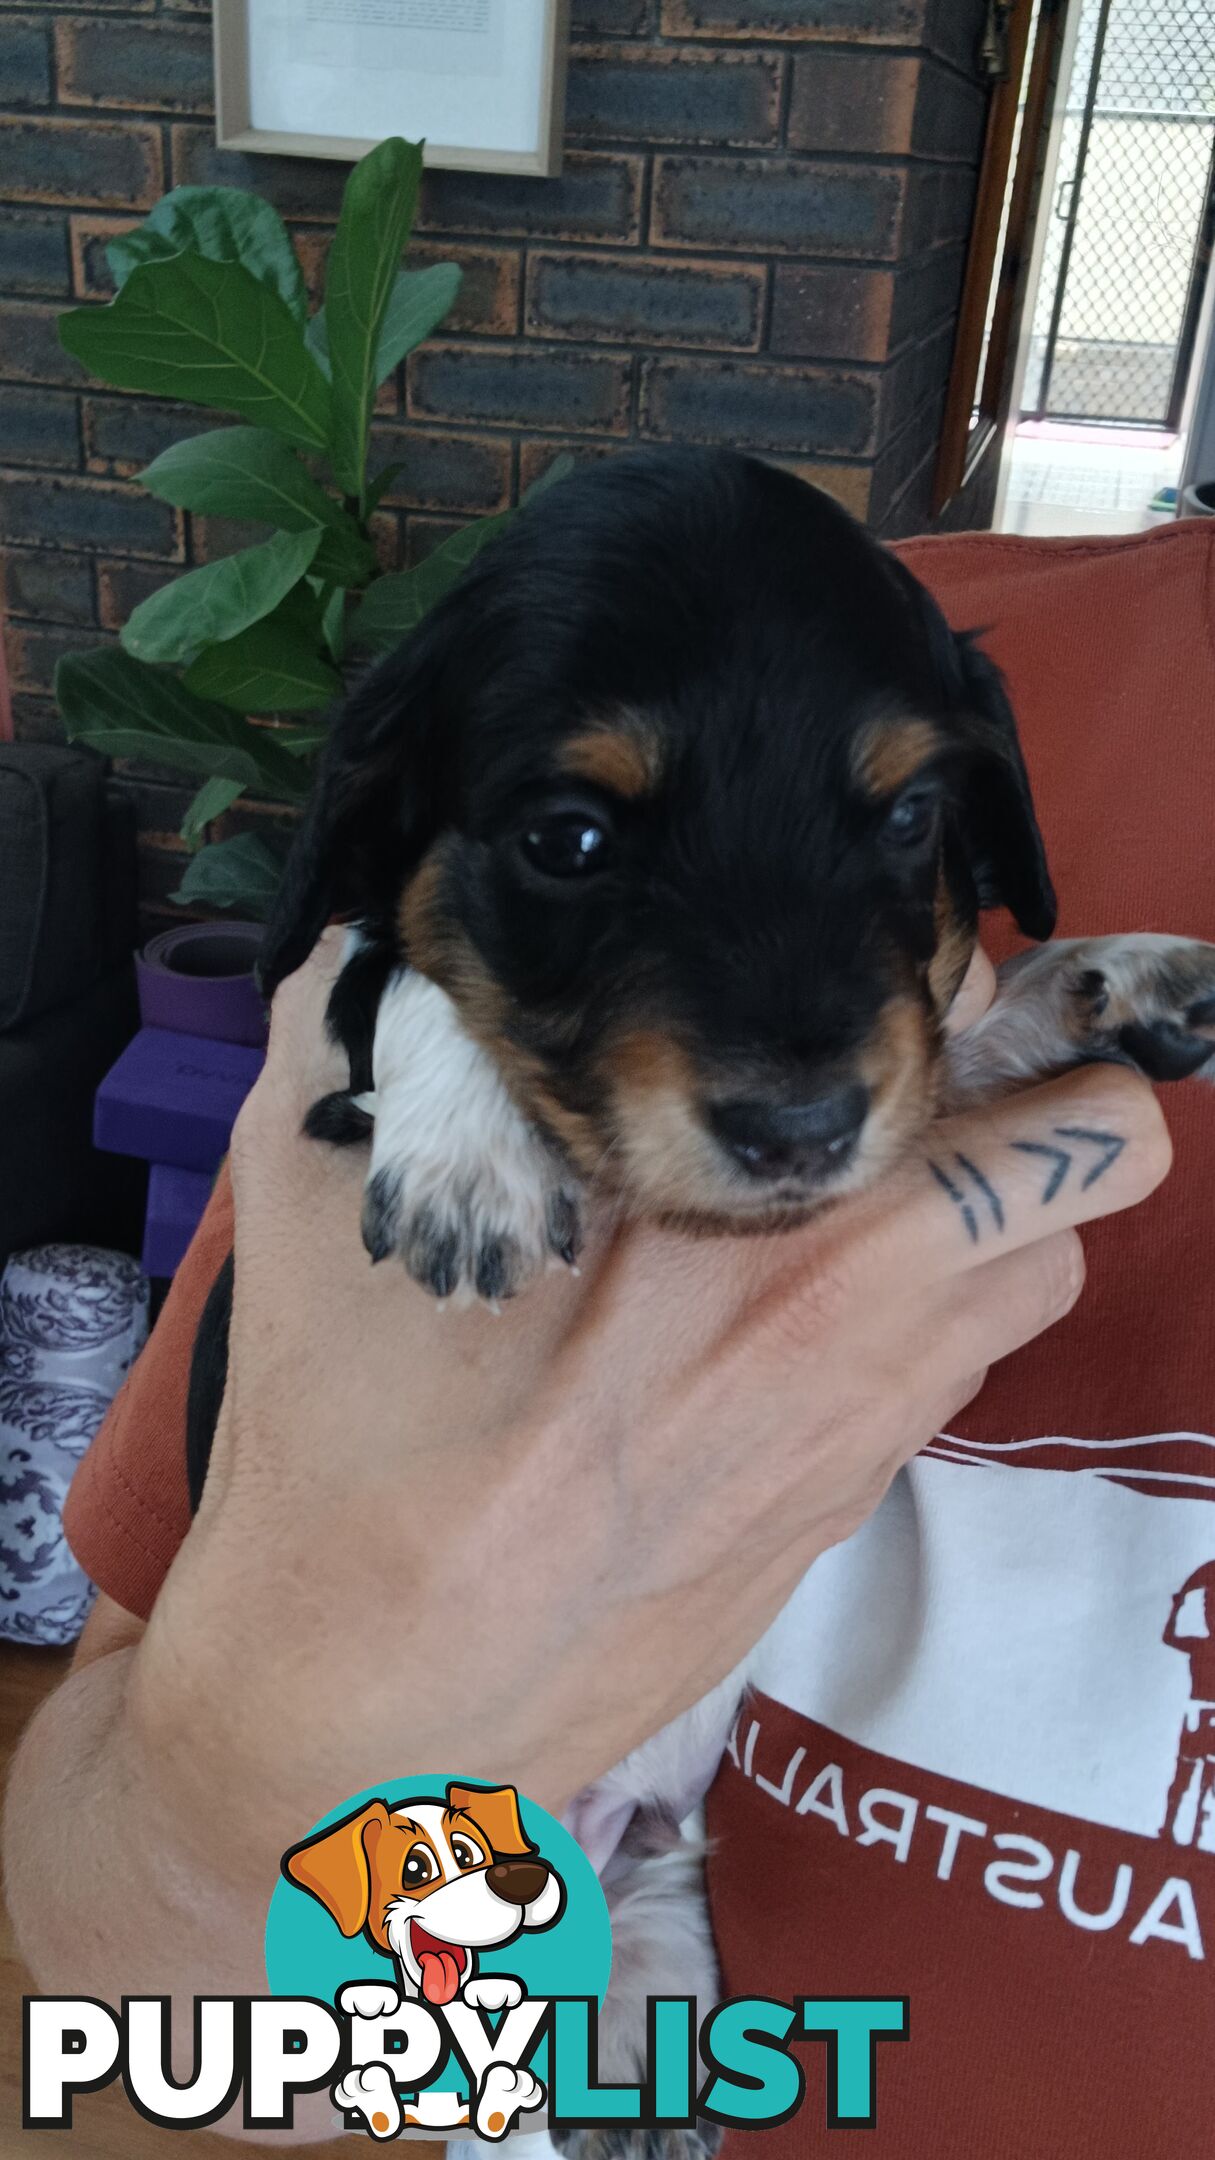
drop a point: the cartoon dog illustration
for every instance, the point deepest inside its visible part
(432, 1882)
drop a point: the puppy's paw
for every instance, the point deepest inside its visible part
(506, 2093)
(493, 1991)
(618, 2142)
(461, 1186)
(1147, 999)
(370, 2092)
(485, 1237)
(369, 1999)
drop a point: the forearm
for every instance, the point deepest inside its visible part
(102, 1874)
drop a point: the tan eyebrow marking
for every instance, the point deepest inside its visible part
(888, 753)
(624, 759)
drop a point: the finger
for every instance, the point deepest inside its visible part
(1006, 1175)
(975, 995)
(302, 1061)
(997, 1309)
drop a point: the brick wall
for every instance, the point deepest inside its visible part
(758, 238)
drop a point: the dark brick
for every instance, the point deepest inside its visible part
(52, 588)
(585, 393)
(854, 101)
(595, 198)
(954, 28)
(825, 311)
(29, 346)
(39, 427)
(849, 484)
(624, 298)
(759, 408)
(611, 18)
(160, 67)
(469, 473)
(106, 162)
(536, 455)
(926, 291)
(211, 537)
(161, 869)
(652, 95)
(488, 301)
(298, 187)
(122, 435)
(159, 808)
(950, 116)
(122, 585)
(940, 206)
(92, 278)
(97, 515)
(35, 651)
(424, 534)
(25, 63)
(36, 719)
(33, 252)
(871, 22)
(778, 205)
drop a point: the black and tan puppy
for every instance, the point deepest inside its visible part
(664, 843)
(666, 838)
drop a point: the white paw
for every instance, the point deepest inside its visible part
(370, 2092)
(493, 1991)
(506, 2093)
(369, 1999)
(461, 1186)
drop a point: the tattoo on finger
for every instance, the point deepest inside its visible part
(975, 1192)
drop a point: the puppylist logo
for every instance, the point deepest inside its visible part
(437, 1958)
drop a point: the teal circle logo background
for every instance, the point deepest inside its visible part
(306, 1953)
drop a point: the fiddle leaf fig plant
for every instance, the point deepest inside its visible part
(217, 673)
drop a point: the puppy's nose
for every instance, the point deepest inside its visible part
(778, 1140)
(518, 1881)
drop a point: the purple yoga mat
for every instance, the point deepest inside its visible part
(197, 979)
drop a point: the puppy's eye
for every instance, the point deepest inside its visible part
(567, 844)
(912, 821)
(465, 1854)
(419, 1867)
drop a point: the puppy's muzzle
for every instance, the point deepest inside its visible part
(518, 1881)
(805, 1141)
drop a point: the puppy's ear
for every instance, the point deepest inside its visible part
(999, 830)
(372, 811)
(335, 1867)
(497, 1812)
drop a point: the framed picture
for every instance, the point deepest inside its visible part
(481, 81)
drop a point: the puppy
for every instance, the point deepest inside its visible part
(664, 841)
(432, 1882)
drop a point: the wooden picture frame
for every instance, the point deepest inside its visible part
(236, 95)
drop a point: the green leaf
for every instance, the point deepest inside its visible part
(333, 624)
(244, 873)
(273, 666)
(225, 225)
(246, 472)
(560, 469)
(212, 799)
(305, 740)
(382, 482)
(416, 305)
(209, 333)
(126, 710)
(395, 605)
(377, 214)
(220, 600)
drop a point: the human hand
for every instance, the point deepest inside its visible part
(515, 1547)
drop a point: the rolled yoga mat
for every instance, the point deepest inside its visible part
(72, 1320)
(197, 979)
